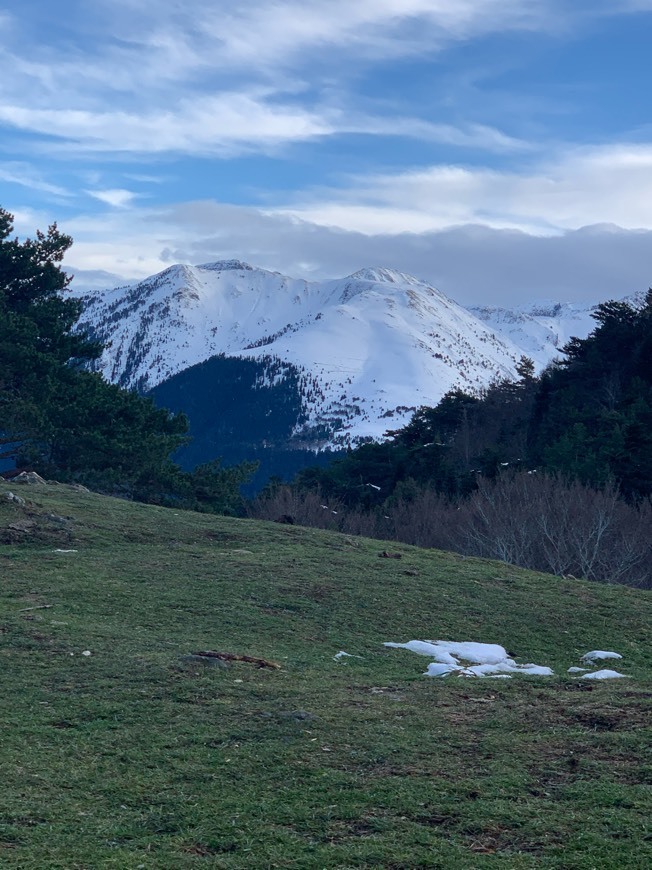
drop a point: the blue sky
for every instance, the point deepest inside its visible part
(501, 149)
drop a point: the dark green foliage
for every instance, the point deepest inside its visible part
(588, 417)
(96, 432)
(233, 402)
(593, 413)
(36, 323)
(242, 410)
(66, 422)
(212, 489)
(54, 416)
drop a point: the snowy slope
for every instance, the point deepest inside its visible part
(541, 329)
(370, 348)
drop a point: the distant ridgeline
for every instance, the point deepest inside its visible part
(243, 409)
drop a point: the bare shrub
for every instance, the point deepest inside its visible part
(425, 519)
(549, 524)
(305, 507)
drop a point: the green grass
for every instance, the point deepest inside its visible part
(134, 758)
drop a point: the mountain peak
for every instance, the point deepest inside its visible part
(381, 275)
(226, 266)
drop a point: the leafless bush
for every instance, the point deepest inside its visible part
(426, 519)
(304, 507)
(549, 524)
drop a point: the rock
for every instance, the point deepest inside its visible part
(15, 498)
(25, 526)
(30, 477)
(298, 716)
(293, 715)
(55, 518)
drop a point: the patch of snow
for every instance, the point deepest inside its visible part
(576, 670)
(437, 669)
(469, 659)
(341, 654)
(604, 674)
(598, 654)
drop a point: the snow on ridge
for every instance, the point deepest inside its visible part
(541, 330)
(543, 327)
(381, 275)
(371, 348)
(226, 266)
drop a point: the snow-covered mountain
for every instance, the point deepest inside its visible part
(541, 329)
(370, 348)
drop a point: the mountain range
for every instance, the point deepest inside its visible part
(363, 351)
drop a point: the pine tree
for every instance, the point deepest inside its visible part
(54, 416)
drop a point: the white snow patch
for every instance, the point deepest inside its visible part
(437, 669)
(597, 654)
(469, 659)
(576, 670)
(604, 674)
(341, 654)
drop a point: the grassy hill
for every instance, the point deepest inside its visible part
(137, 757)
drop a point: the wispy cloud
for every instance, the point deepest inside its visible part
(117, 198)
(611, 184)
(216, 77)
(224, 124)
(116, 95)
(25, 175)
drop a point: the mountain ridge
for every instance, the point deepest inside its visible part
(371, 346)
(374, 345)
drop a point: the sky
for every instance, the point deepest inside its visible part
(499, 149)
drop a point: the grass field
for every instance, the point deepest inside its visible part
(136, 757)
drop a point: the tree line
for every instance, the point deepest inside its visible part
(64, 421)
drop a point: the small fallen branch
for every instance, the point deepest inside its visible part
(36, 607)
(234, 657)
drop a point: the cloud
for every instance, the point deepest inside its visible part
(472, 264)
(221, 124)
(599, 184)
(231, 124)
(117, 198)
(265, 33)
(280, 32)
(217, 78)
(25, 175)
